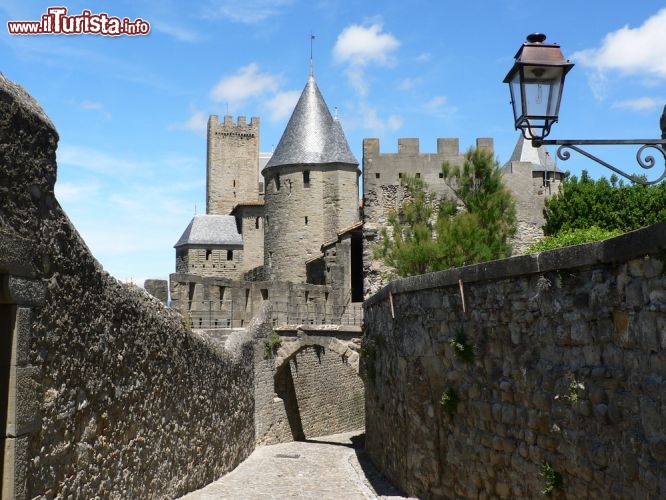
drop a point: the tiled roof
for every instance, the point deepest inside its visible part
(312, 135)
(211, 230)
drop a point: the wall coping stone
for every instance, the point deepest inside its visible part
(626, 246)
(326, 329)
(21, 291)
(16, 254)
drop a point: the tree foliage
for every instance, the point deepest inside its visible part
(610, 205)
(431, 234)
(569, 237)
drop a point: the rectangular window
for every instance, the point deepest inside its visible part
(230, 255)
(441, 175)
(306, 178)
(399, 175)
(418, 175)
(377, 175)
(306, 220)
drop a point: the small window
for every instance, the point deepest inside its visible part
(418, 175)
(230, 255)
(256, 223)
(306, 220)
(277, 182)
(399, 175)
(306, 177)
(234, 182)
(441, 175)
(270, 259)
(377, 175)
(209, 254)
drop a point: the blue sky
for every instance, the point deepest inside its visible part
(131, 111)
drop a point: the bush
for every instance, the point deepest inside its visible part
(572, 237)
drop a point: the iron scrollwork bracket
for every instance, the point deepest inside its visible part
(645, 161)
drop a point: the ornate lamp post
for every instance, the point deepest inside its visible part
(536, 81)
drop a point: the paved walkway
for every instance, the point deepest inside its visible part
(330, 467)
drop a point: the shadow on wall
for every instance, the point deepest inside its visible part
(284, 388)
(321, 391)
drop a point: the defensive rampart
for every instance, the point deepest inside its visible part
(103, 391)
(514, 377)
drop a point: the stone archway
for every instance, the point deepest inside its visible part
(316, 377)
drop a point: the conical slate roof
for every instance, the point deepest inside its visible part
(211, 230)
(312, 135)
(538, 157)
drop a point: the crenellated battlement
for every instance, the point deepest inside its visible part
(409, 146)
(228, 121)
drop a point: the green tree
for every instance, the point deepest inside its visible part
(609, 205)
(431, 234)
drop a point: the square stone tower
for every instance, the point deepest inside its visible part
(231, 170)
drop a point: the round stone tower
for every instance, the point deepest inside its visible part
(311, 190)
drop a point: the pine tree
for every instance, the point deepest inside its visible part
(431, 234)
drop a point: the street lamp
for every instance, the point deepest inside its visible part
(536, 81)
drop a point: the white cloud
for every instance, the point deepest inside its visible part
(394, 122)
(247, 11)
(438, 106)
(435, 104)
(641, 104)
(197, 122)
(178, 32)
(92, 105)
(372, 121)
(95, 106)
(282, 104)
(632, 51)
(67, 192)
(99, 161)
(409, 83)
(360, 46)
(247, 83)
(424, 57)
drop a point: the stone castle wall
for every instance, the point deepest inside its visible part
(233, 155)
(568, 370)
(303, 211)
(310, 386)
(530, 191)
(382, 173)
(103, 392)
(225, 263)
(252, 230)
(211, 302)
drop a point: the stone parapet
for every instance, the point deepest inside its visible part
(478, 378)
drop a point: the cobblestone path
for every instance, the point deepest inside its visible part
(330, 467)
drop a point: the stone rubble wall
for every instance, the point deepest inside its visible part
(301, 216)
(232, 176)
(568, 371)
(114, 396)
(310, 385)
